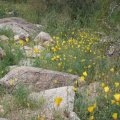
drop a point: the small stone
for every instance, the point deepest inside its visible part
(43, 39)
(3, 38)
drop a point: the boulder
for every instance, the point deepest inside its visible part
(19, 26)
(37, 79)
(2, 53)
(66, 93)
(43, 39)
(44, 105)
(66, 107)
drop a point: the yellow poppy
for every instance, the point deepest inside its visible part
(82, 78)
(117, 97)
(117, 84)
(58, 101)
(115, 116)
(106, 89)
(85, 74)
(91, 109)
(36, 51)
(91, 117)
(11, 82)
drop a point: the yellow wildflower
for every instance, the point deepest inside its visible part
(115, 116)
(60, 64)
(36, 51)
(88, 49)
(78, 46)
(89, 66)
(53, 59)
(113, 101)
(91, 109)
(91, 117)
(117, 84)
(21, 42)
(27, 39)
(42, 118)
(58, 57)
(112, 70)
(83, 60)
(54, 49)
(117, 97)
(85, 74)
(38, 118)
(106, 89)
(58, 101)
(102, 84)
(75, 89)
(57, 38)
(82, 78)
(76, 82)
(11, 82)
(73, 33)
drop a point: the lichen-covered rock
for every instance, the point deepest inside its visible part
(19, 26)
(37, 78)
(66, 93)
(43, 39)
(66, 106)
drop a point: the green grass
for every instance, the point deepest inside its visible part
(75, 51)
(57, 17)
(104, 107)
(18, 100)
(21, 96)
(82, 54)
(2, 90)
(11, 58)
(7, 32)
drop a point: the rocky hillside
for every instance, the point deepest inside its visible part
(71, 76)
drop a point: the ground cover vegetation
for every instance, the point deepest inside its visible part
(77, 27)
